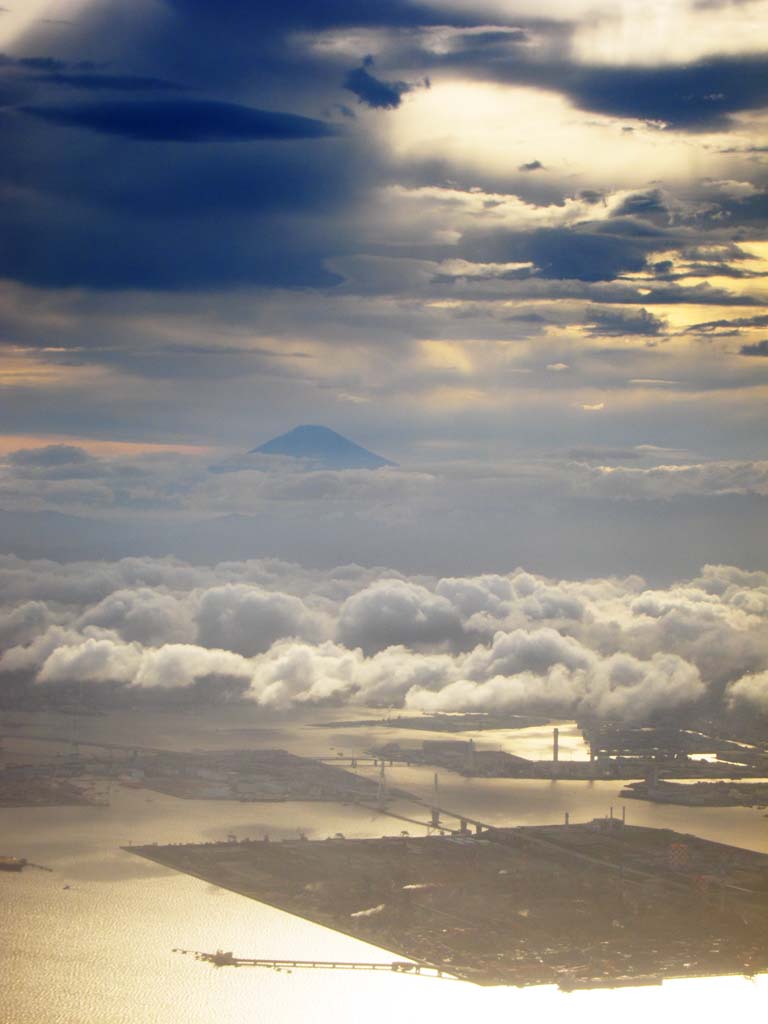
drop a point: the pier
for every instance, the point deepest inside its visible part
(227, 959)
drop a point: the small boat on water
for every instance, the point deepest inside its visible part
(12, 863)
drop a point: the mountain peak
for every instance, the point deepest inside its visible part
(322, 446)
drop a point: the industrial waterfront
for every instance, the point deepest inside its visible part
(578, 905)
(65, 919)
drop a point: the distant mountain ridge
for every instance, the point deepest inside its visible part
(322, 446)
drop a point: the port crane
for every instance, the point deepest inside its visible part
(222, 958)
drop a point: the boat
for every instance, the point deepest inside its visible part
(12, 863)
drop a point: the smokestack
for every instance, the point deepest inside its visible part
(556, 744)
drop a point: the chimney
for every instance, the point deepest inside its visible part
(556, 744)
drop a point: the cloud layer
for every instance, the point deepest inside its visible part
(284, 636)
(579, 512)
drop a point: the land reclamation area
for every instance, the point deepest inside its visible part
(576, 905)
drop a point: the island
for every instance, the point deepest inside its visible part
(578, 905)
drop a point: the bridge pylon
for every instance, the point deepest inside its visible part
(382, 792)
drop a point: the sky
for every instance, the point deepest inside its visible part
(519, 248)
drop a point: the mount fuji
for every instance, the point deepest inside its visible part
(323, 447)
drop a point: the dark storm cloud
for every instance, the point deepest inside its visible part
(715, 252)
(581, 255)
(183, 120)
(695, 97)
(611, 323)
(698, 96)
(751, 212)
(643, 230)
(35, 73)
(712, 326)
(175, 211)
(108, 83)
(220, 216)
(534, 165)
(190, 256)
(372, 91)
(294, 15)
(256, 54)
(706, 268)
(760, 348)
(559, 253)
(715, 270)
(492, 38)
(672, 294)
(33, 63)
(262, 48)
(643, 204)
(165, 216)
